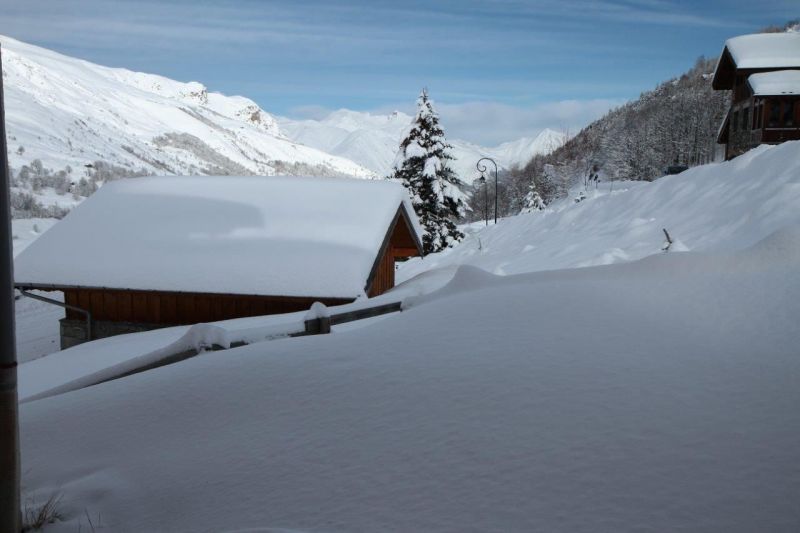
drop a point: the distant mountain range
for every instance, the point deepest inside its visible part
(65, 111)
(371, 140)
(81, 120)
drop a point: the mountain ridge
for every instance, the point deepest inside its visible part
(372, 140)
(68, 112)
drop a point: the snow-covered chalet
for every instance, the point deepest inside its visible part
(146, 253)
(762, 71)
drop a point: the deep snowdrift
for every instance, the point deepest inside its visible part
(658, 395)
(713, 207)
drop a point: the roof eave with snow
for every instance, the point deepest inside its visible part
(775, 83)
(754, 52)
(269, 236)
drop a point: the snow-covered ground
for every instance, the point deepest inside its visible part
(36, 322)
(713, 207)
(652, 394)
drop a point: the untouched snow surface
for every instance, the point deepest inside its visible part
(657, 394)
(711, 207)
(281, 236)
(36, 322)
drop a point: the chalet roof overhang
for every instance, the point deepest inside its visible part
(759, 52)
(725, 73)
(49, 287)
(400, 217)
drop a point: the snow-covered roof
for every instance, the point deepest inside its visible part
(765, 50)
(282, 236)
(775, 83)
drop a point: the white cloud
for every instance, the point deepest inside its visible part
(492, 123)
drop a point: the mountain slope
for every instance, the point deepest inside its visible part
(372, 141)
(68, 112)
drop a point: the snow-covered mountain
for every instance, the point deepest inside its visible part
(69, 112)
(372, 141)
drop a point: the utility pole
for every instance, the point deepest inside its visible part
(9, 414)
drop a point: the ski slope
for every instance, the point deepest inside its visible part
(646, 391)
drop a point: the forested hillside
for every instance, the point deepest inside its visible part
(676, 123)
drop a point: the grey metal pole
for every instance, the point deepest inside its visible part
(10, 517)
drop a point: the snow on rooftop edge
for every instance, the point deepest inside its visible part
(279, 235)
(775, 83)
(765, 50)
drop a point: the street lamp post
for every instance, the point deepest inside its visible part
(9, 411)
(482, 181)
(482, 169)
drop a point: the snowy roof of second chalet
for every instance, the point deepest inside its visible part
(775, 83)
(278, 236)
(765, 50)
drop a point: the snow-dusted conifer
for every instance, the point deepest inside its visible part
(422, 167)
(533, 200)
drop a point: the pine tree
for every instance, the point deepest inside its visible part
(533, 200)
(422, 167)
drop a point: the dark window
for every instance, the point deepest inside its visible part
(788, 114)
(774, 114)
(746, 118)
(735, 121)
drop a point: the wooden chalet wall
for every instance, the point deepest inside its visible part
(750, 119)
(151, 309)
(384, 277)
(399, 244)
(761, 120)
(161, 308)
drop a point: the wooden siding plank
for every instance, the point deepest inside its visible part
(139, 307)
(125, 306)
(169, 309)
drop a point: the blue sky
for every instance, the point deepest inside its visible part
(497, 69)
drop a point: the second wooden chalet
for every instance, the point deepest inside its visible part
(762, 71)
(146, 253)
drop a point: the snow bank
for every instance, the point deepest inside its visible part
(282, 236)
(654, 395)
(713, 207)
